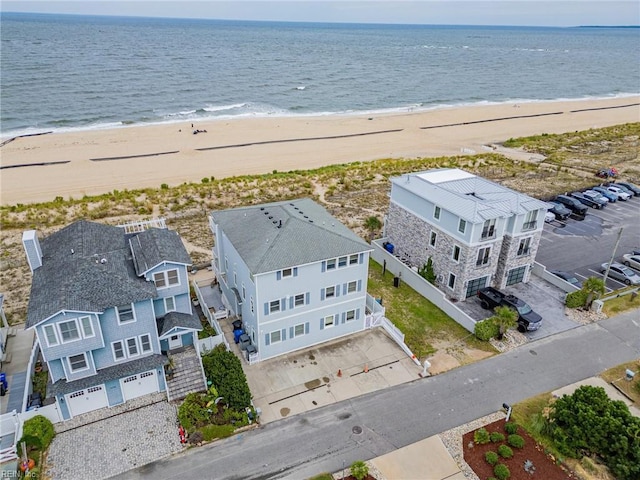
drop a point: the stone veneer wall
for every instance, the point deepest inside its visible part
(509, 258)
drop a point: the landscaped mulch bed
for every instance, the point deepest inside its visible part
(545, 466)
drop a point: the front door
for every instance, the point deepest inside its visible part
(175, 341)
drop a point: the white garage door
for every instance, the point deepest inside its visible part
(84, 401)
(140, 384)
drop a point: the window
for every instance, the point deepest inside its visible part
(298, 300)
(78, 362)
(145, 343)
(132, 346)
(166, 279)
(298, 330)
(353, 259)
(276, 336)
(530, 220)
(69, 331)
(172, 277)
(342, 262)
(351, 315)
(118, 350)
(456, 253)
(329, 292)
(524, 247)
(488, 229)
(235, 279)
(433, 238)
(331, 264)
(244, 292)
(50, 333)
(329, 321)
(287, 272)
(462, 225)
(159, 280)
(87, 329)
(169, 304)
(352, 286)
(452, 281)
(274, 306)
(483, 256)
(436, 213)
(125, 314)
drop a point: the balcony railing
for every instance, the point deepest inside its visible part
(530, 225)
(487, 233)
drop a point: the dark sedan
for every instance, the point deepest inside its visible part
(590, 202)
(559, 210)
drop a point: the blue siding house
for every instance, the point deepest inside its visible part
(292, 273)
(106, 305)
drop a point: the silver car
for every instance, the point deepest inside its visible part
(622, 273)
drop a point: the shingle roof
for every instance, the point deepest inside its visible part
(156, 245)
(468, 196)
(177, 319)
(62, 387)
(278, 235)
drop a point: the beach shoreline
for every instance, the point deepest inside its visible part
(39, 168)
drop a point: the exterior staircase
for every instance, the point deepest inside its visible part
(188, 375)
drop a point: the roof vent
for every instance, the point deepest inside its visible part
(280, 224)
(270, 217)
(103, 261)
(310, 221)
(306, 216)
(261, 208)
(275, 222)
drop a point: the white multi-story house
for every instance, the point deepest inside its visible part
(477, 232)
(293, 273)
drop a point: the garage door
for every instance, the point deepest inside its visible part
(84, 401)
(516, 275)
(140, 384)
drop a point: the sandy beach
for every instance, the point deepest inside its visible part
(39, 168)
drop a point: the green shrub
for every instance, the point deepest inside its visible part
(481, 436)
(496, 437)
(491, 457)
(511, 428)
(505, 452)
(486, 330)
(37, 432)
(224, 370)
(359, 470)
(576, 299)
(501, 471)
(193, 412)
(515, 440)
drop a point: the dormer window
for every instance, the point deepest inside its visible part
(488, 229)
(287, 272)
(125, 314)
(166, 279)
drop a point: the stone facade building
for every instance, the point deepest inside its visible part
(477, 232)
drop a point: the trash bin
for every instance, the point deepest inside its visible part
(237, 324)
(250, 349)
(244, 341)
(396, 282)
(237, 334)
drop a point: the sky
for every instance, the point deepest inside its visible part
(560, 13)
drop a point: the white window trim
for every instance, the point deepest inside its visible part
(75, 321)
(113, 350)
(160, 276)
(165, 276)
(455, 279)
(346, 261)
(126, 345)
(453, 253)
(333, 321)
(296, 335)
(133, 311)
(463, 225)
(438, 209)
(326, 294)
(433, 239)
(86, 362)
(149, 341)
(355, 287)
(84, 334)
(166, 307)
(272, 304)
(271, 340)
(353, 312)
(334, 262)
(55, 334)
(287, 272)
(303, 295)
(353, 259)
(488, 257)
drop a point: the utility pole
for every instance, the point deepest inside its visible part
(613, 254)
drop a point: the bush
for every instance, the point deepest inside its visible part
(37, 432)
(486, 330)
(224, 370)
(359, 470)
(481, 436)
(496, 437)
(511, 428)
(515, 440)
(491, 457)
(576, 299)
(193, 412)
(501, 471)
(505, 452)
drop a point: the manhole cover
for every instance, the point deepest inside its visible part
(357, 430)
(533, 352)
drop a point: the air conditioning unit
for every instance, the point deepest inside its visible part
(596, 306)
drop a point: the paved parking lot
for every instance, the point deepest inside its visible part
(581, 246)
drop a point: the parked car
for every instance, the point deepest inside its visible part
(622, 195)
(549, 217)
(623, 188)
(596, 196)
(629, 186)
(606, 193)
(567, 277)
(559, 210)
(527, 318)
(631, 260)
(588, 201)
(622, 273)
(572, 204)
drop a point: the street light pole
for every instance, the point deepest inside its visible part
(613, 255)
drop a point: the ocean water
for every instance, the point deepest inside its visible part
(61, 72)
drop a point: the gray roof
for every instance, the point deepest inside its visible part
(177, 319)
(144, 364)
(278, 235)
(88, 267)
(156, 245)
(468, 196)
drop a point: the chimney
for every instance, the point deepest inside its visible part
(32, 249)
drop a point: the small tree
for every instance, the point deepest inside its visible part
(359, 470)
(427, 272)
(373, 224)
(594, 287)
(505, 318)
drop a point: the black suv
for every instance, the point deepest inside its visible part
(591, 202)
(573, 204)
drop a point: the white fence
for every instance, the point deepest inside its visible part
(11, 427)
(50, 411)
(206, 344)
(420, 285)
(541, 271)
(212, 319)
(28, 386)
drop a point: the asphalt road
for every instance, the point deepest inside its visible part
(326, 438)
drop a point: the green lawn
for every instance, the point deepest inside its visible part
(419, 319)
